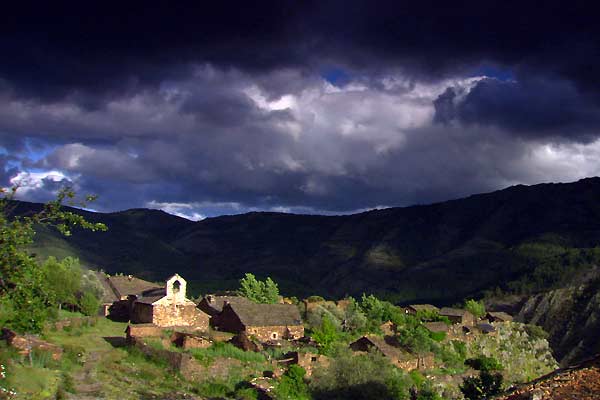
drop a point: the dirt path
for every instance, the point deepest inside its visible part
(86, 383)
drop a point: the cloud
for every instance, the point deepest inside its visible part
(221, 143)
(39, 186)
(79, 59)
(316, 107)
(535, 107)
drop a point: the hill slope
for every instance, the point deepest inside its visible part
(440, 252)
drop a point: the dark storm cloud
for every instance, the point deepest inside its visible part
(52, 50)
(533, 107)
(306, 106)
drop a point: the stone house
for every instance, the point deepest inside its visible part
(438, 326)
(266, 322)
(168, 307)
(213, 304)
(388, 328)
(458, 316)
(189, 341)
(308, 361)
(499, 316)
(486, 329)
(412, 309)
(398, 357)
(118, 292)
(124, 286)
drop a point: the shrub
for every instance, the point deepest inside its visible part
(366, 377)
(326, 334)
(536, 332)
(437, 336)
(89, 304)
(484, 363)
(292, 386)
(485, 385)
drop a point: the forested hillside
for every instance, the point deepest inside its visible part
(521, 239)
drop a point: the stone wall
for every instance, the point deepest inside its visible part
(189, 341)
(142, 331)
(142, 313)
(266, 333)
(180, 315)
(25, 344)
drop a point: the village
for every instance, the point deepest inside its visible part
(162, 322)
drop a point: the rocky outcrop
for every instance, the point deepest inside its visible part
(581, 382)
(571, 316)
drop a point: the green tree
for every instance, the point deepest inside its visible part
(88, 304)
(368, 376)
(258, 291)
(488, 383)
(291, 386)
(482, 386)
(477, 308)
(24, 299)
(62, 280)
(326, 334)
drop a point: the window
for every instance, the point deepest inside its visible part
(176, 286)
(274, 335)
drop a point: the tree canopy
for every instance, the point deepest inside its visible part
(26, 297)
(259, 291)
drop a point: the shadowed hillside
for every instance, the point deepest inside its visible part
(440, 252)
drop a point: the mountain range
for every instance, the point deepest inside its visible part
(438, 253)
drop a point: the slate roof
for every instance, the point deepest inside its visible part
(125, 285)
(387, 349)
(423, 307)
(453, 312)
(152, 295)
(436, 326)
(486, 328)
(501, 315)
(253, 314)
(217, 302)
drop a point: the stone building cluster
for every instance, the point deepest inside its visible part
(145, 305)
(151, 307)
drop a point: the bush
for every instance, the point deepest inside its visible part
(225, 350)
(437, 336)
(485, 385)
(536, 332)
(484, 363)
(366, 377)
(326, 334)
(292, 386)
(89, 304)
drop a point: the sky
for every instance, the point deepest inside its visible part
(326, 107)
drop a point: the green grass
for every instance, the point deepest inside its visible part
(226, 350)
(33, 382)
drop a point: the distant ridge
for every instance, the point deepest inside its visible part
(440, 252)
